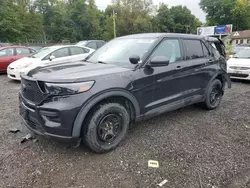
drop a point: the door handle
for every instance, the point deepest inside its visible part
(209, 61)
(178, 67)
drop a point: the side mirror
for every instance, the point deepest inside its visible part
(51, 57)
(134, 59)
(159, 61)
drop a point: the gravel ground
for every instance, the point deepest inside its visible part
(194, 147)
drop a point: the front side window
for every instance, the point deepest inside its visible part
(76, 50)
(170, 49)
(119, 51)
(22, 51)
(43, 52)
(64, 52)
(193, 49)
(7, 52)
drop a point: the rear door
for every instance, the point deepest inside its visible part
(7, 56)
(198, 60)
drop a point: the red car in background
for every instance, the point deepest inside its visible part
(10, 54)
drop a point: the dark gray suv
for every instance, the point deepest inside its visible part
(131, 78)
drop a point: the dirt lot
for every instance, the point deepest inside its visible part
(195, 148)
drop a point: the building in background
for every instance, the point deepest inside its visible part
(240, 37)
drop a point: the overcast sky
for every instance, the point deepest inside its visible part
(193, 5)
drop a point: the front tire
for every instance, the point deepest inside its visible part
(214, 95)
(106, 127)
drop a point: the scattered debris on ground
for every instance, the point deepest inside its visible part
(14, 130)
(27, 137)
(163, 183)
(153, 164)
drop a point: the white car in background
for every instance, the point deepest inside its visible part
(47, 56)
(238, 66)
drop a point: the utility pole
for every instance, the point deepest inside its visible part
(187, 28)
(114, 24)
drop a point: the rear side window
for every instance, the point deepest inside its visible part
(205, 50)
(193, 49)
(92, 45)
(22, 51)
(64, 52)
(76, 51)
(100, 44)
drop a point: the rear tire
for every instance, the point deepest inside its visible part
(214, 95)
(106, 127)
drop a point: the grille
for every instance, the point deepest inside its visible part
(31, 91)
(239, 68)
(239, 75)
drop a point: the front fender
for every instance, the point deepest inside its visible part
(96, 99)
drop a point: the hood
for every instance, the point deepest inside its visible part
(23, 60)
(74, 72)
(239, 62)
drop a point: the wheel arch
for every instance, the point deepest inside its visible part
(104, 96)
(223, 77)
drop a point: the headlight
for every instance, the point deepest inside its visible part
(67, 88)
(23, 65)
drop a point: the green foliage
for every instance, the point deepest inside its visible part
(236, 12)
(75, 20)
(178, 19)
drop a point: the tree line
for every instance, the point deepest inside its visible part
(75, 20)
(236, 12)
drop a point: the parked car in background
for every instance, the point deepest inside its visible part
(10, 54)
(238, 66)
(237, 48)
(129, 79)
(46, 56)
(4, 44)
(94, 44)
(37, 48)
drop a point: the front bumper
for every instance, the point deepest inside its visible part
(239, 74)
(13, 74)
(53, 119)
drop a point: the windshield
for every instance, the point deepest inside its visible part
(81, 43)
(237, 49)
(243, 53)
(43, 52)
(118, 51)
